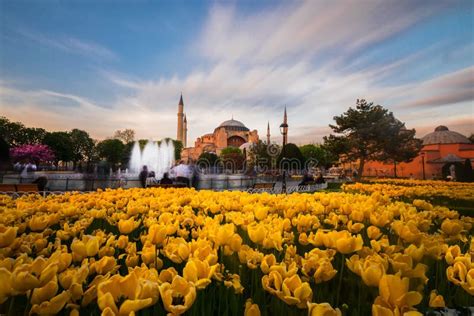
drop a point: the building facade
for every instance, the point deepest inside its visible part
(441, 148)
(230, 133)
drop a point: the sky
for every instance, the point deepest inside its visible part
(105, 65)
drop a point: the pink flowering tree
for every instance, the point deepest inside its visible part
(34, 153)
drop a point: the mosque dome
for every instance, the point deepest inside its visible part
(442, 135)
(233, 125)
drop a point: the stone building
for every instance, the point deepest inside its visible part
(441, 148)
(230, 133)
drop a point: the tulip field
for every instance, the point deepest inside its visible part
(181, 251)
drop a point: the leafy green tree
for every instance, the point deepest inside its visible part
(261, 155)
(111, 150)
(230, 150)
(178, 148)
(293, 157)
(207, 159)
(82, 146)
(366, 132)
(12, 132)
(232, 158)
(400, 145)
(32, 135)
(317, 153)
(126, 135)
(61, 144)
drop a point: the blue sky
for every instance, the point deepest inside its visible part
(108, 65)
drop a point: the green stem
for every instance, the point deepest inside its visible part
(340, 280)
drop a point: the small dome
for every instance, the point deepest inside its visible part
(442, 135)
(441, 128)
(233, 125)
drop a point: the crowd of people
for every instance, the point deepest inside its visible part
(181, 173)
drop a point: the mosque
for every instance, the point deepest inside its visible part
(230, 133)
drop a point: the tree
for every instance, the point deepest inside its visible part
(262, 155)
(232, 158)
(368, 132)
(36, 153)
(317, 153)
(4, 154)
(401, 146)
(230, 150)
(126, 136)
(471, 138)
(290, 157)
(82, 146)
(32, 135)
(12, 132)
(178, 148)
(61, 144)
(207, 160)
(111, 150)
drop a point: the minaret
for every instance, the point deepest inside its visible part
(185, 132)
(268, 133)
(180, 135)
(285, 128)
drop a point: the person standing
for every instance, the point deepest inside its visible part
(143, 176)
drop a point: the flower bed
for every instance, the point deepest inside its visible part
(159, 251)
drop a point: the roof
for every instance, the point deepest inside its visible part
(442, 135)
(449, 158)
(234, 124)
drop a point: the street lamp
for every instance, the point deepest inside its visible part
(284, 132)
(423, 164)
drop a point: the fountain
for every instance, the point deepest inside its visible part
(158, 157)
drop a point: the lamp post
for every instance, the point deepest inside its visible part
(284, 132)
(423, 164)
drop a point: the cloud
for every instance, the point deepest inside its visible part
(305, 29)
(71, 45)
(297, 54)
(444, 90)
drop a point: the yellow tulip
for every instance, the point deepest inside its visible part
(348, 245)
(295, 292)
(178, 296)
(469, 285)
(267, 262)
(22, 280)
(457, 273)
(451, 227)
(199, 273)
(38, 223)
(257, 233)
(234, 282)
(452, 253)
(131, 306)
(372, 272)
(251, 309)
(126, 226)
(272, 282)
(5, 285)
(177, 249)
(7, 235)
(157, 234)
(373, 232)
(436, 301)
(122, 242)
(224, 234)
(92, 246)
(322, 309)
(320, 269)
(105, 264)
(53, 306)
(394, 291)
